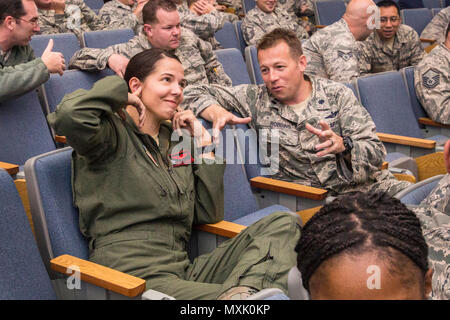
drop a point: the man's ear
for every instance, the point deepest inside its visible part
(10, 23)
(148, 29)
(134, 84)
(302, 62)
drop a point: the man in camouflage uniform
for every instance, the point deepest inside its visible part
(435, 30)
(62, 16)
(432, 81)
(326, 138)
(333, 52)
(120, 14)
(265, 17)
(434, 215)
(393, 46)
(302, 11)
(161, 30)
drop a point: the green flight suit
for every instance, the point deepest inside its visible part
(20, 72)
(138, 210)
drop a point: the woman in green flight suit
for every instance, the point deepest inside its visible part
(138, 197)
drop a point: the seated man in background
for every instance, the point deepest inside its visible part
(435, 30)
(393, 46)
(302, 10)
(119, 14)
(20, 70)
(265, 17)
(333, 52)
(432, 81)
(326, 138)
(62, 16)
(161, 30)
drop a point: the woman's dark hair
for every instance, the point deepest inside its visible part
(13, 8)
(358, 223)
(143, 63)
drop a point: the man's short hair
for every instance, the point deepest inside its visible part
(150, 8)
(13, 8)
(271, 39)
(389, 3)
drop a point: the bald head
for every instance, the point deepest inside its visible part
(357, 15)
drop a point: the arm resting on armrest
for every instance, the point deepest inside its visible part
(222, 228)
(12, 169)
(429, 122)
(100, 276)
(408, 141)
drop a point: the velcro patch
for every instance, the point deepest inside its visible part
(431, 78)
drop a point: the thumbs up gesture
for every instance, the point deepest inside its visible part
(54, 61)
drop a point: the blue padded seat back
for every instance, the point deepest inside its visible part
(23, 275)
(58, 86)
(432, 4)
(66, 43)
(248, 5)
(234, 65)
(104, 38)
(227, 36)
(240, 36)
(53, 176)
(24, 131)
(239, 200)
(251, 59)
(329, 11)
(416, 196)
(408, 76)
(435, 11)
(94, 4)
(416, 18)
(386, 98)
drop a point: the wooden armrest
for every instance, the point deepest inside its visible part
(427, 40)
(385, 165)
(430, 165)
(223, 228)
(100, 276)
(405, 177)
(408, 141)
(430, 47)
(9, 167)
(308, 213)
(429, 122)
(320, 26)
(291, 188)
(61, 139)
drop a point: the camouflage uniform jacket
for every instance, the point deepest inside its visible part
(199, 60)
(257, 23)
(78, 18)
(438, 25)
(432, 82)
(298, 162)
(333, 53)
(117, 15)
(434, 215)
(376, 56)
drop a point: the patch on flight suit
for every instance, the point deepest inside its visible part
(345, 55)
(183, 158)
(431, 78)
(332, 115)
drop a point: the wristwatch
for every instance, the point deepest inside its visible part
(348, 144)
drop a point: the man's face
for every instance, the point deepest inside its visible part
(389, 22)
(266, 5)
(281, 72)
(164, 34)
(27, 25)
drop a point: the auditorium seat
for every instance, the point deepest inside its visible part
(248, 5)
(328, 11)
(430, 4)
(227, 36)
(94, 4)
(240, 36)
(234, 65)
(251, 60)
(104, 38)
(416, 18)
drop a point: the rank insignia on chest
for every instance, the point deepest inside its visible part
(182, 158)
(431, 78)
(345, 55)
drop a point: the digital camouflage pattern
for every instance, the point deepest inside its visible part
(432, 82)
(377, 56)
(298, 162)
(78, 18)
(333, 53)
(438, 25)
(257, 23)
(197, 57)
(434, 215)
(117, 15)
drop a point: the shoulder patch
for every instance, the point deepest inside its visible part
(431, 78)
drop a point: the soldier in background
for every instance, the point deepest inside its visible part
(333, 52)
(161, 30)
(119, 14)
(432, 81)
(393, 46)
(435, 30)
(62, 16)
(265, 17)
(326, 138)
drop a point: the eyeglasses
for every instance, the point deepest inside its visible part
(34, 22)
(392, 19)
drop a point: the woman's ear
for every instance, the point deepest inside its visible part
(428, 282)
(134, 84)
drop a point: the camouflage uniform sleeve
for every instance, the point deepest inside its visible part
(89, 16)
(214, 69)
(252, 31)
(315, 65)
(417, 53)
(437, 26)
(368, 151)
(364, 59)
(47, 26)
(204, 26)
(114, 19)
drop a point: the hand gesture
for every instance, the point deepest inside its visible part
(185, 119)
(134, 101)
(330, 141)
(54, 61)
(202, 7)
(59, 6)
(118, 64)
